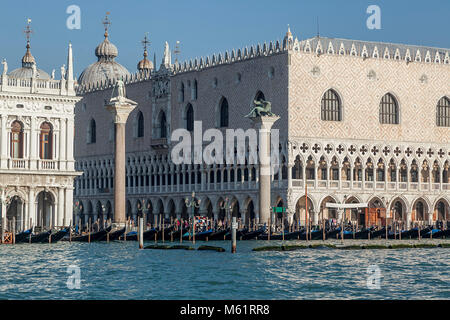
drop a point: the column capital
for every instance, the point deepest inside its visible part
(121, 108)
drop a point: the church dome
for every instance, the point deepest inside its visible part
(145, 64)
(26, 71)
(105, 69)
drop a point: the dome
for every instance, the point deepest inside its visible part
(26, 72)
(145, 64)
(105, 68)
(106, 50)
(103, 71)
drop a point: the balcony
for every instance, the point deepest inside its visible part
(159, 144)
(47, 165)
(17, 164)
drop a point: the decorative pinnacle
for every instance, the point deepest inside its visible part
(107, 23)
(177, 50)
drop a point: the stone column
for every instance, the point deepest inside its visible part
(3, 142)
(60, 210)
(121, 108)
(68, 213)
(33, 145)
(264, 125)
(31, 208)
(315, 218)
(62, 144)
(340, 213)
(408, 219)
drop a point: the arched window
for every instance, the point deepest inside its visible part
(331, 109)
(181, 93)
(162, 125)
(91, 132)
(46, 142)
(389, 110)
(16, 140)
(140, 125)
(224, 113)
(194, 90)
(443, 113)
(190, 117)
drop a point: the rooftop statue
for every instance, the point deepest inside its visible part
(118, 92)
(260, 108)
(5, 67)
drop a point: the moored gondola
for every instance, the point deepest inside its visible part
(218, 235)
(95, 236)
(23, 236)
(41, 237)
(114, 235)
(378, 233)
(332, 234)
(239, 233)
(434, 234)
(59, 235)
(252, 234)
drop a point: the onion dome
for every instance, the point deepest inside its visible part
(105, 69)
(145, 64)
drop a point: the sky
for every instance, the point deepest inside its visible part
(204, 27)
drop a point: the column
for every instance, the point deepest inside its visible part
(68, 212)
(62, 144)
(31, 208)
(33, 145)
(315, 218)
(408, 220)
(69, 145)
(264, 125)
(340, 213)
(60, 211)
(4, 142)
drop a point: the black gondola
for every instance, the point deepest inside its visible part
(218, 235)
(115, 235)
(252, 234)
(23, 236)
(239, 233)
(332, 233)
(415, 232)
(378, 233)
(59, 235)
(96, 236)
(41, 237)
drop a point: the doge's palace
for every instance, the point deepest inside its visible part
(36, 144)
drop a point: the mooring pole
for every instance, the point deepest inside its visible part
(70, 232)
(141, 232)
(181, 230)
(14, 230)
(233, 235)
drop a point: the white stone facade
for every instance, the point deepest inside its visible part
(359, 158)
(36, 148)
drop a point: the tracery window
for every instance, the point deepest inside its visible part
(190, 118)
(224, 113)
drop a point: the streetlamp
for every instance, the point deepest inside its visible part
(192, 204)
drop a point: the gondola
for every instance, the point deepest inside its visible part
(239, 233)
(115, 235)
(378, 233)
(436, 233)
(96, 236)
(133, 235)
(167, 232)
(415, 232)
(362, 234)
(201, 236)
(332, 233)
(252, 234)
(218, 235)
(59, 235)
(23, 236)
(41, 237)
(295, 235)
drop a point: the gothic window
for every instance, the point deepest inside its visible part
(181, 93)
(331, 109)
(224, 113)
(46, 143)
(389, 110)
(91, 132)
(190, 118)
(16, 140)
(443, 113)
(162, 125)
(140, 125)
(194, 90)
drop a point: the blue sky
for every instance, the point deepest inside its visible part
(208, 26)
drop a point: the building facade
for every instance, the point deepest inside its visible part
(361, 122)
(36, 145)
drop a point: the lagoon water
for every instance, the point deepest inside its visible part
(120, 271)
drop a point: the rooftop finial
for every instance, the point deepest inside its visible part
(145, 43)
(107, 23)
(28, 31)
(177, 51)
